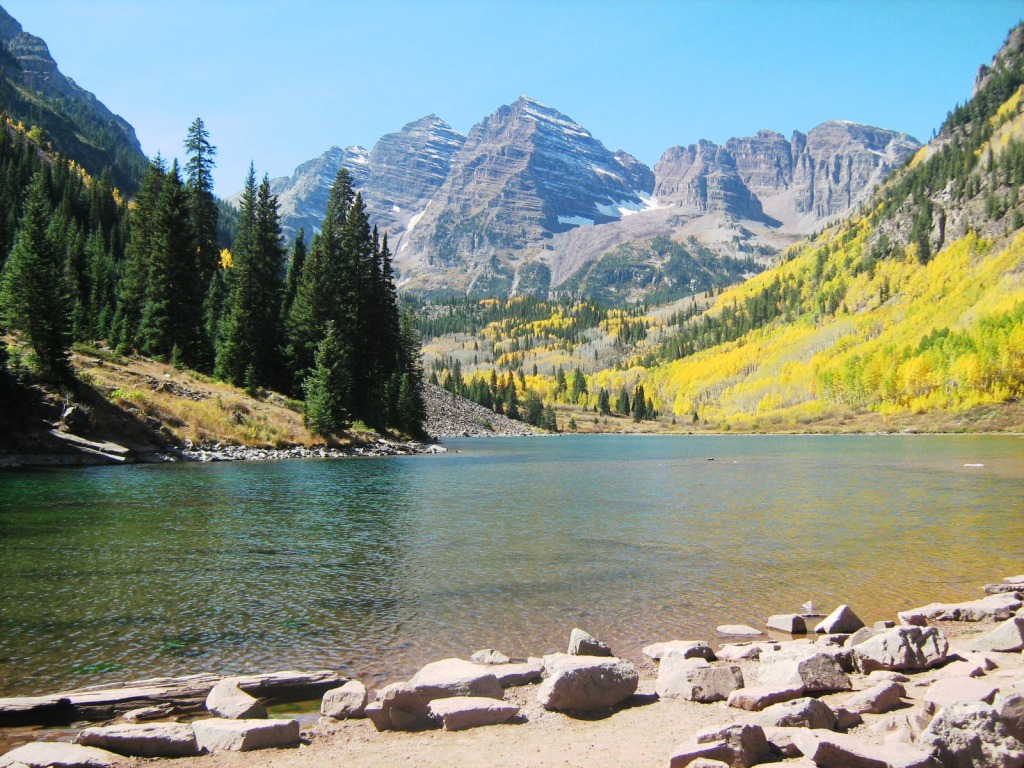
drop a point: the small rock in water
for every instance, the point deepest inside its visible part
(739, 629)
(584, 644)
(489, 656)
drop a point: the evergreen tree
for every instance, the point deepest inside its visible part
(327, 387)
(579, 385)
(639, 409)
(203, 219)
(33, 294)
(291, 283)
(604, 402)
(622, 402)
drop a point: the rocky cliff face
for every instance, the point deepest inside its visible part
(91, 134)
(530, 196)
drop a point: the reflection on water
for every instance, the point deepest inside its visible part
(378, 566)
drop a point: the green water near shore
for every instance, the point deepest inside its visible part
(377, 566)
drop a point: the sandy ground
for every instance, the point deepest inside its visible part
(641, 734)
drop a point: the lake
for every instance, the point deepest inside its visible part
(378, 566)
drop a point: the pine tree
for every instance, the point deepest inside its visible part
(622, 402)
(33, 294)
(291, 283)
(327, 388)
(639, 409)
(203, 219)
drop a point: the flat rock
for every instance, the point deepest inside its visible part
(586, 683)
(901, 648)
(799, 713)
(689, 648)
(815, 671)
(142, 714)
(948, 690)
(743, 630)
(757, 698)
(696, 680)
(902, 727)
(739, 652)
(460, 712)
(999, 589)
(835, 750)
(990, 608)
(142, 739)
(877, 699)
(217, 733)
(1008, 637)
(584, 644)
(968, 733)
(342, 703)
(226, 699)
(883, 675)
(793, 623)
(56, 754)
(1015, 579)
(841, 621)
(455, 677)
(518, 673)
(489, 656)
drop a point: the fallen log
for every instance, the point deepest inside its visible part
(186, 694)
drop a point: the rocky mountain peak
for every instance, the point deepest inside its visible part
(1009, 56)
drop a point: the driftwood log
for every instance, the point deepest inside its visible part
(185, 694)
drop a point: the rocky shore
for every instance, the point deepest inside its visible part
(941, 685)
(378, 448)
(450, 415)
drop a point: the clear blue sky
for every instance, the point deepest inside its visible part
(278, 81)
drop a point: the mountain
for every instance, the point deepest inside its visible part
(77, 124)
(531, 199)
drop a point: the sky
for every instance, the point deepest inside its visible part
(278, 82)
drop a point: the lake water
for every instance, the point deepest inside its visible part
(377, 566)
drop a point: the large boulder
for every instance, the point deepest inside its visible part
(57, 754)
(345, 702)
(990, 608)
(1008, 637)
(807, 667)
(836, 750)
(842, 621)
(1010, 707)
(217, 733)
(457, 713)
(689, 648)
(738, 746)
(142, 739)
(799, 713)
(877, 699)
(695, 679)
(455, 677)
(584, 644)
(226, 699)
(970, 733)
(948, 690)
(586, 683)
(902, 648)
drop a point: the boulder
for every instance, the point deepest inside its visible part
(455, 677)
(518, 673)
(689, 648)
(841, 621)
(990, 608)
(845, 719)
(757, 698)
(56, 754)
(1008, 637)
(948, 690)
(815, 671)
(401, 708)
(345, 702)
(793, 623)
(696, 680)
(457, 713)
(836, 750)
(902, 648)
(227, 700)
(861, 635)
(585, 683)
(742, 630)
(739, 652)
(1010, 708)
(970, 733)
(142, 739)
(738, 746)
(584, 644)
(216, 733)
(489, 656)
(799, 713)
(880, 698)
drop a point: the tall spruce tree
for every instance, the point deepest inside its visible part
(291, 283)
(327, 388)
(33, 293)
(203, 216)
